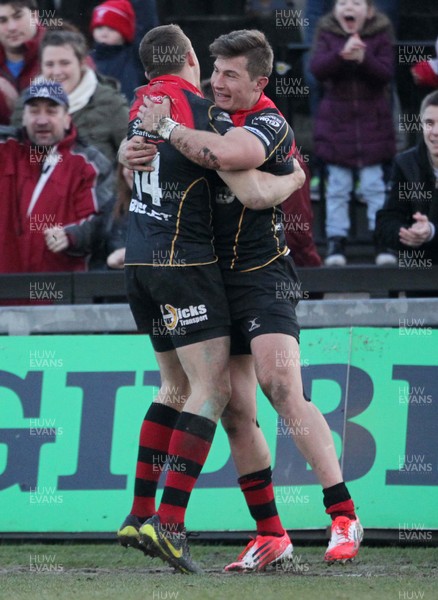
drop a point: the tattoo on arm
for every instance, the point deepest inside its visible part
(210, 160)
(205, 158)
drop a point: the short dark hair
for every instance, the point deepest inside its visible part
(430, 100)
(59, 37)
(163, 50)
(30, 4)
(246, 42)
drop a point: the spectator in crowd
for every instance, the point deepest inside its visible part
(98, 110)
(313, 11)
(115, 50)
(408, 222)
(20, 37)
(53, 188)
(425, 72)
(354, 59)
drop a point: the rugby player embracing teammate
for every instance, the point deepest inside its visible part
(255, 263)
(176, 295)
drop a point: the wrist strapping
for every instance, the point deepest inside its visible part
(165, 127)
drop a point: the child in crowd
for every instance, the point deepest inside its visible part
(114, 51)
(353, 58)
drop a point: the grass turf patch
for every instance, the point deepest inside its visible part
(88, 571)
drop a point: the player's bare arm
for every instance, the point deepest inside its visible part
(259, 190)
(255, 189)
(236, 150)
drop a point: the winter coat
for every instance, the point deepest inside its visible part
(30, 70)
(121, 63)
(354, 126)
(102, 123)
(413, 188)
(75, 189)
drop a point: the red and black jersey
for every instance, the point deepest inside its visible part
(170, 215)
(250, 239)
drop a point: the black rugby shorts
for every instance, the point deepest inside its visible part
(262, 301)
(178, 306)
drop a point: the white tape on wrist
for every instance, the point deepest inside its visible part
(165, 127)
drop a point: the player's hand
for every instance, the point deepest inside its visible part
(137, 154)
(418, 233)
(116, 260)
(151, 113)
(56, 239)
(299, 175)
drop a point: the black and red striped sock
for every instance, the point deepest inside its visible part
(338, 502)
(188, 450)
(259, 495)
(155, 434)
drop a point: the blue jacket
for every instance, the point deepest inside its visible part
(121, 63)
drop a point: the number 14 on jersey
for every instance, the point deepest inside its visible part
(148, 183)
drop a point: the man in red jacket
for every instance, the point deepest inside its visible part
(20, 37)
(52, 188)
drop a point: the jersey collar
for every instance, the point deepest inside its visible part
(263, 102)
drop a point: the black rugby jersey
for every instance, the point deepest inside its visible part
(170, 214)
(248, 239)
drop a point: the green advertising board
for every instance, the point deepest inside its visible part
(71, 409)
